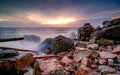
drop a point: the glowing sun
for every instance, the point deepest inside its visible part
(60, 21)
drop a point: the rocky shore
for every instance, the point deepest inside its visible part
(96, 51)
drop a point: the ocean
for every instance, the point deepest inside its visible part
(41, 32)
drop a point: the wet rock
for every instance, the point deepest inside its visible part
(8, 53)
(84, 33)
(15, 65)
(61, 44)
(79, 55)
(104, 68)
(45, 45)
(84, 70)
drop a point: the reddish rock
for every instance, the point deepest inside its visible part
(79, 55)
(84, 70)
(66, 61)
(47, 66)
(116, 50)
(89, 63)
(86, 61)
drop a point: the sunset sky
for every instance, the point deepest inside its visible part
(56, 13)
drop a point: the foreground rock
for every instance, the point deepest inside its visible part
(61, 44)
(15, 65)
(47, 66)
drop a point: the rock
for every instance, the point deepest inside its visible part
(58, 71)
(116, 50)
(84, 70)
(86, 61)
(110, 30)
(15, 65)
(104, 68)
(115, 21)
(36, 69)
(8, 53)
(93, 46)
(45, 45)
(111, 33)
(79, 55)
(84, 33)
(107, 55)
(66, 61)
(106, 24)
(31, 38)
(61, 44)
(47, 66)
(81, 44)
(103, 61)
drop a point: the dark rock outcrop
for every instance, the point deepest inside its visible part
(110, 30)
(112, 33)
(84, 32)
(61, 44)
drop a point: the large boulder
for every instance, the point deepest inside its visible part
(45, 45)
(84, 33)
(61, 44)
(15, 65)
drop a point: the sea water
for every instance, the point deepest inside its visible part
(41, 32)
